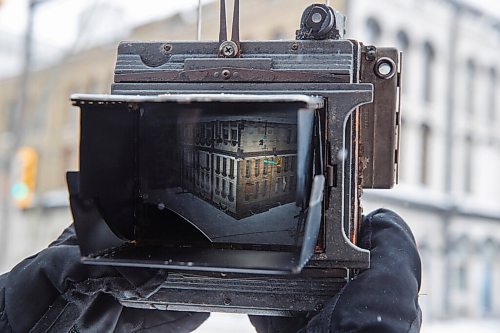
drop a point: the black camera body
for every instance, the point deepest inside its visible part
(238, 166)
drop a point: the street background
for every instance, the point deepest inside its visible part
(449, 189)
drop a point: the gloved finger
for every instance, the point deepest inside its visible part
(268, 324)
(67, 292)
(383, 298)
(158, 321)
(44, 277)
(103, 313)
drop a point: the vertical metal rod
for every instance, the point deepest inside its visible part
(235, 35)
(222, 25)
(198, 27)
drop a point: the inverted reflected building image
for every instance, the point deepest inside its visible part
(242, 167)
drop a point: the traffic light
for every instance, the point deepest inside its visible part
(24, 171)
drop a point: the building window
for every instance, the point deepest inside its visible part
(403, 43)
(373, 31)
(198, 133)
(468, 151)
(224, 193)
(248, 191)
(461, 277)
(293, 163)
(207, 160)
(286, 160)
(284, 183)
(264, 187)
(217, 167)
(256, 189)
(470, 83)
(247, 169)
(217, 129)
(488, 255)
(428, 71)
(225, 131)
(231, 168)
(208, 134)
(264, 168)
(257, 167)
(492, 102)
(203, 132)
(231, 190)
(424, 159)
(289, 136)
(224, 166)
(186, 173)
(217, 185)
(234, 134)
(277, 184)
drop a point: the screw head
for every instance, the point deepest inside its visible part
(167, 47)
(228, 49)
(371, 53)
(226, 74)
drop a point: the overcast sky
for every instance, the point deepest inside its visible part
(56, 21)
(63, 25)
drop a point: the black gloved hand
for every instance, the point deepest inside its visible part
(53, 292)
(382, 299)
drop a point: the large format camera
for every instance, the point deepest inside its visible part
(238, 166)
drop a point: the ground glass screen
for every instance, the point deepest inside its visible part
(228, 168)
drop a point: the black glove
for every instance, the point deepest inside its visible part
(382, 299)
(53, 292)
